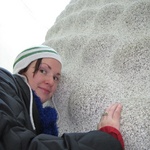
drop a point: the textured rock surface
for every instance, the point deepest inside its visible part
(105, 47)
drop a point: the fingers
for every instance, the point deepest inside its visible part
(111, 116)
(117, 112)
(114, 110)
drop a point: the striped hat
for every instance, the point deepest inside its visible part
(34, 53)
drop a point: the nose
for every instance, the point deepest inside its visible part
(50, 80)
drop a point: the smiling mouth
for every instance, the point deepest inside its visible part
(45, 90)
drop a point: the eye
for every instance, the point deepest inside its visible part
(43, 71)
(56, 78)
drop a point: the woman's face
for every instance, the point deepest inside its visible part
(44, 82)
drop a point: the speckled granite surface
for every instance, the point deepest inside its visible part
(105, 47)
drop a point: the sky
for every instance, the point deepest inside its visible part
(24, 23)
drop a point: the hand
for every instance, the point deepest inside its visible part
(111, 117)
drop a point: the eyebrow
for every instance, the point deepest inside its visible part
(58, 74)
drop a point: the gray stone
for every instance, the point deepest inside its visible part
(105, 48)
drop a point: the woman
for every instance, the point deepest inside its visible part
(26, 125)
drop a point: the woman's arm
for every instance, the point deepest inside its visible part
(17, 133)
(114, 132)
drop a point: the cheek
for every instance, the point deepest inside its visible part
(55, 88)
(34, 82)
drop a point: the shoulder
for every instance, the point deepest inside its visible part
(12, 87)
(11, 82)
(5, 73)
(6, 77)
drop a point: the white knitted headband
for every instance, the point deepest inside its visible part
(34, 53)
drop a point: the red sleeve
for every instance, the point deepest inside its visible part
(114, 132)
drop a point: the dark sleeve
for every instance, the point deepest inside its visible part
(17, 133)
(93, 140)
(114, 132)
(14, 135)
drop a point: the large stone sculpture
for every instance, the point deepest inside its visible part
(105, 48)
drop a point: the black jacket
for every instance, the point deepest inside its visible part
(17, 132)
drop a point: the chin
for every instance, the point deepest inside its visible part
(44, 100)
